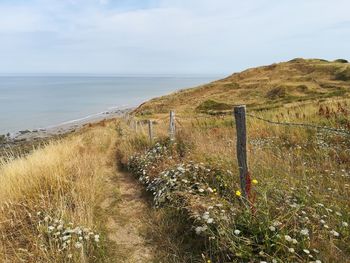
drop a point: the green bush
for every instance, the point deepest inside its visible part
(2, 139)
(275, 93)
(341, 60)
(212, 105)
(343, 75)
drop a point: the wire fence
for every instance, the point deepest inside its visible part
(306, 125)
(179, 121)
(240, 119)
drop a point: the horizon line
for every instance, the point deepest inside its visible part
(111, 74)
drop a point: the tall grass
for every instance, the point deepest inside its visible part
(52, 193)
(301, 205)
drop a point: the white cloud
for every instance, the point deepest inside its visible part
(172, 36)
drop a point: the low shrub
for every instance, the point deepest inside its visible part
(212, 105)
(280, 228)
(341, 61)
(276, 93)
(343, 75)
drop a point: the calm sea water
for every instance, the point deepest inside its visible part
(38, 102)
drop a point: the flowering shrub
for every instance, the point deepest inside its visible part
(65, 238)
(280, 230)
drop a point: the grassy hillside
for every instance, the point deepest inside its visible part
(299, 206)
(298, 209)
(262, 87)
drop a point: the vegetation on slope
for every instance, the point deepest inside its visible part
(268, 86)
(300, 211)
(49, 199)
(300, 208)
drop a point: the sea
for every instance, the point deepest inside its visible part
(34, 102)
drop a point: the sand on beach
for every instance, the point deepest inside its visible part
(66, 127)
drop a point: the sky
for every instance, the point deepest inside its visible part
(167, 36)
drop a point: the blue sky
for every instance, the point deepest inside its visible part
(167, 36)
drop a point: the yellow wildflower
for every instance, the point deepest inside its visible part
(254, 181)
(238, 193)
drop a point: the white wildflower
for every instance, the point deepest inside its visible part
(334, 233)
(206, 216)
(344, 224)
(237, 232)
(97, 238)
(272, 228)
(304, 232)
(210, 220)
(64, 238)
(291, 250)
(294, 241)
(288, 238)
(276, 223)
(198, 230)
(78, 245)
(306, 251)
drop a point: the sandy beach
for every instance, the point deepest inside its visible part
(23, 142)
(62, 128)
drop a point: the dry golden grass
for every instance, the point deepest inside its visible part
(64, 181)
(303, 175)
(262, 87)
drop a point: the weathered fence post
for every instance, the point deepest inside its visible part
(150, 130)
(240, 117)
(172, 126)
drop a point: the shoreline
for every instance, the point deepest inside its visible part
(64, 127)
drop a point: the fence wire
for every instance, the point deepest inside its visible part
(306, 125)
(301, 125)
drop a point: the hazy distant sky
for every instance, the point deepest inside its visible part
(167, 36)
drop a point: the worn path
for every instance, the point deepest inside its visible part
(126, 221)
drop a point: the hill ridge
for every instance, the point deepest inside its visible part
(269, 86)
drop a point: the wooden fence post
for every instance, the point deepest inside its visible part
(172, 126)
(240, 117)
(150, 130)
